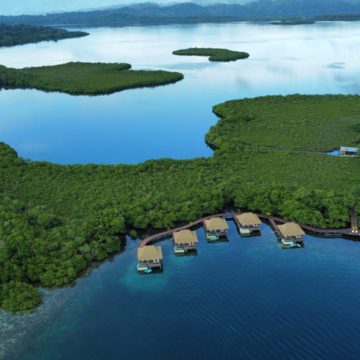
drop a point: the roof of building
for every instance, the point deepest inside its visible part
(349, 149)
(185, 237)
(216, 223)
(150, 252)
(291, 230)
(248, 219)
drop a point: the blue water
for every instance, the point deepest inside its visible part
(169, 121)
(242, 299)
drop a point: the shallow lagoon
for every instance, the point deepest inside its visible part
(247, 298)
(169, 121)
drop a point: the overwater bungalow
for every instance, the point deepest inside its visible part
(185, 241)
(248, 224)
(291, 235)
(216, 228)
(349, 151)
(149, 258)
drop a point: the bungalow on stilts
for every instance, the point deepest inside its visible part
(291, 235)
(216, 228)
(248, 224)
(185, 241)
(149, 258)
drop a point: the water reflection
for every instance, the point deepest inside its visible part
(169, 121)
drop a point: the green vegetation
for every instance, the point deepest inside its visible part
(55, 220)
(297, 122)
(11, 35)
(339, 17)
(213, 54)
(84, 78)
(18, 296)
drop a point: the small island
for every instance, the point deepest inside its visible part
(221, 55)
(12, 35)
(57, 220)
(78, 78)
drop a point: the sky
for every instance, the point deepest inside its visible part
(17, 7)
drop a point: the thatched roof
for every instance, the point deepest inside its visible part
(150, 253)
(248, 219)
(216, 224)
(291, 230)
(184, 237)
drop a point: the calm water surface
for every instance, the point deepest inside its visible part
(169, 121)
(244, 299)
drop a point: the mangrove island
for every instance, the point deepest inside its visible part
(56, 220)
(222, 55)
(12, 35)
(78, 78)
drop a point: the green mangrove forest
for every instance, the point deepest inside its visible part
(222, 55)
(19, 34)
(77, 78)
(57, 220)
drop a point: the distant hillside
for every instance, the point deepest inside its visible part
(152, 14)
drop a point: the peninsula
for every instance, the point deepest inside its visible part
(56, 220)
(78, 78)
(222, 55)
(11, 35)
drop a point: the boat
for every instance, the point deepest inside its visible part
(286, 244)
(244, 232)
(212, 237)
(143, 268)
(178, 250)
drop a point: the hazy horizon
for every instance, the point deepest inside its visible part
(28, 7)
(20, 7)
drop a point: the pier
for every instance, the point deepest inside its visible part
(273, 220)
(168, 233)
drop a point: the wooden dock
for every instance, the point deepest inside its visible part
(348, 232)
(354, 222)
(168, 233)
(274, 225)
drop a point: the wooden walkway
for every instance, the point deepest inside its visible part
(169, 233)
(354, 220)
(271, 219)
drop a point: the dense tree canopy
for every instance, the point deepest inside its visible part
(11, 35)
(295, 121)
(56, 220)
(222, 55)
(78, 78)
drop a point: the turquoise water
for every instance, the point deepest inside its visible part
(242, 299)
(169, 121)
